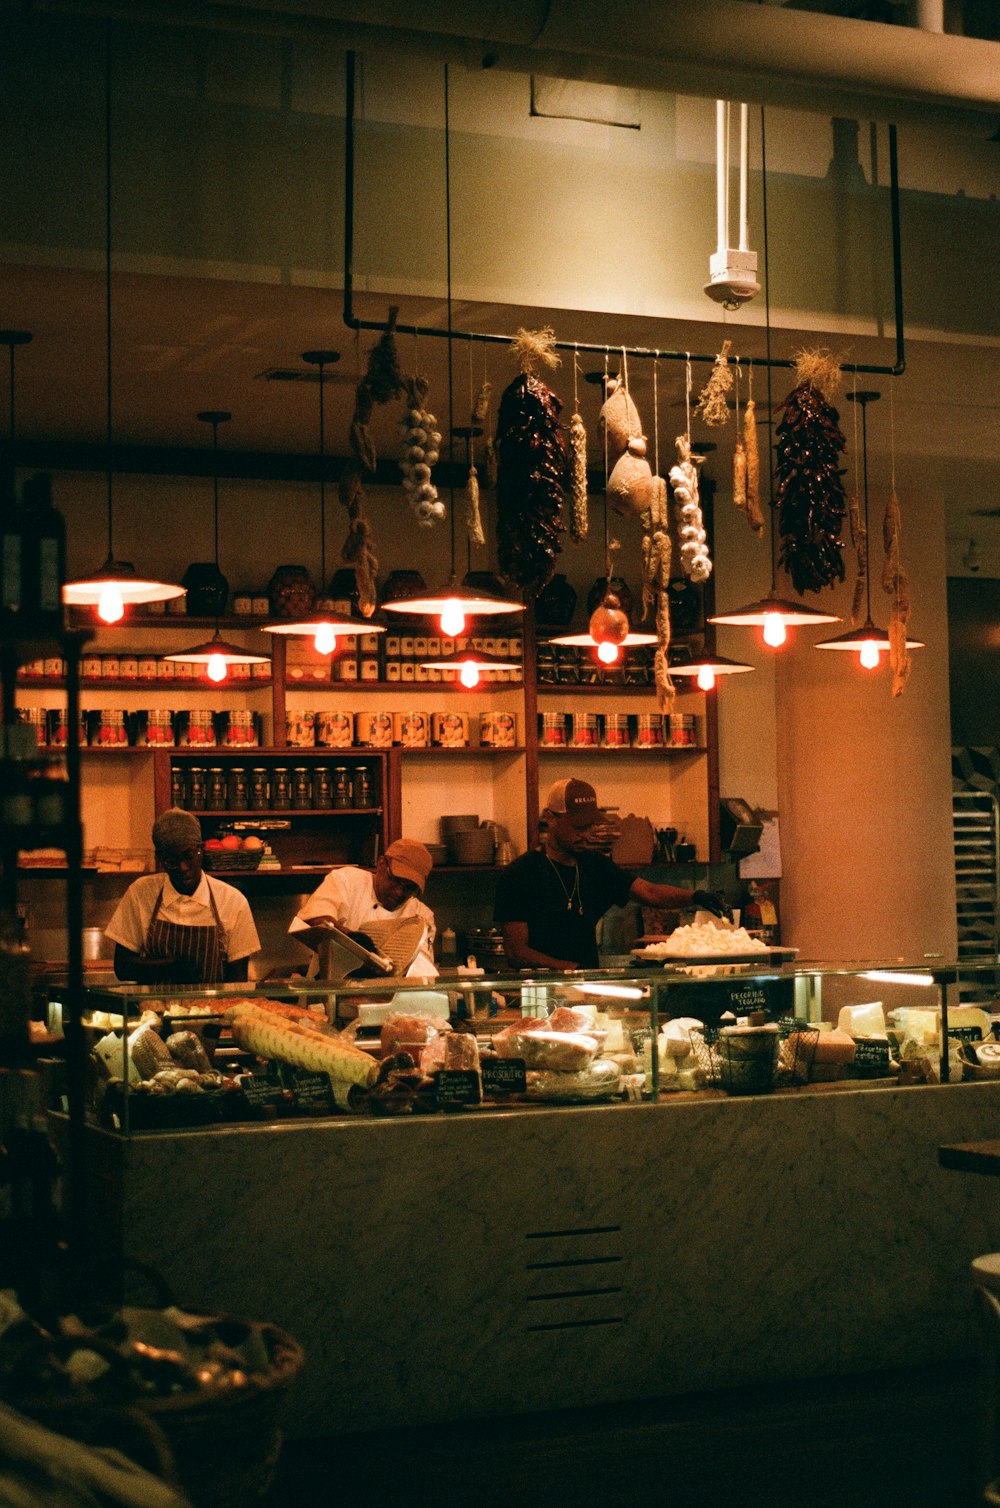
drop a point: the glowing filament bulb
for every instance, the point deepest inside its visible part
(607, 653)
(868, 654)
(706, 677)
(452, 618)
(469, 673)
(775, 632)
(216, 668)
(326, 639)
(111, 607)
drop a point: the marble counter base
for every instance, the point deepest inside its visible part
(467, 1265)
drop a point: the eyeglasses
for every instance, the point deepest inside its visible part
(186, 858)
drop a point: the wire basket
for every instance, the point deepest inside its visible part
(796, 1051)
(232, 860)
(743, 1064)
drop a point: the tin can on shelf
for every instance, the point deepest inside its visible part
(281, 788)
(147, 667)
(110, 730)
(261, 672)
(159, 728)
(334, 729)
(165, 670)
(237, 789)
(216, 790)
(322, 786)
(242, 604)
(110, 668)
(196, 788)
(498, 730)
(341, 786)
(411, 730)
(369, 667)
(128, 667)
(200, 729)
(55, 668)
(37, 718)
(374, 729)
(683, 730)
(585, 730)
(178, 786)
(260, 606)
(553, 730)
(300, 728)
(616, 731)
(450, 730)
(346, 668)
(361, 786)
(649, 730)
(90, 668)
(260, 789)
(240, 671)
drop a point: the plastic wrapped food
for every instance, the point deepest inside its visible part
(409, 1030)
(599, 1081)
(563, 1052)
(187, 1051)
(461, 1052)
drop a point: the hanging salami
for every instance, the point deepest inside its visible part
(810, 495)
(533, 468)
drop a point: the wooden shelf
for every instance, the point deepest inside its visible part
(410, 687)
(175, 683)
(261, 813)
(436, 749)
(560, 688)
(587, 751)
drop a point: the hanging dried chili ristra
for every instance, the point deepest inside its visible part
(533, 468)
(810, 495)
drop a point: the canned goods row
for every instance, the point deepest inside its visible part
(617, 730)
(420, 729)
(273, 788)
(127, 666)
(155, 727)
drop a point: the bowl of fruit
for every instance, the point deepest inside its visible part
(232, 852)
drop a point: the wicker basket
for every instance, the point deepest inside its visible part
(232, 860)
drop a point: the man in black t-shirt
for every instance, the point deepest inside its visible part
(549, 901)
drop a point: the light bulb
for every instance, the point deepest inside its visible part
(452, 618)
(868, 654)
(706, 677)
(775, 632)
(607, 653)
(216, 668)
(326, 639)
(469, 673)
(111, 607)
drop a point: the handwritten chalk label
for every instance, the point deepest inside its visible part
(457, 1087)
(871, 1057)
(311, 1091)
(503, 1075)
(260, 1092)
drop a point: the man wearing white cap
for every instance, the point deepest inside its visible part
(549, 901)
(352, 898)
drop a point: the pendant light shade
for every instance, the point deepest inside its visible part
(706, 668)
(116, 584)
(323, 627)
(216, 654)
(869, 641)
(451, 603)
(470, 664)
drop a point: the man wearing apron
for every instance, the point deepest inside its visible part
(181, 926)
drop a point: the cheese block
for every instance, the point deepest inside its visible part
(863, 1020)
(834, 1046)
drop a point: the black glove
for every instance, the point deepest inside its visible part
(712, 900)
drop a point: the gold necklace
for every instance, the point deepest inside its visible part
(573, 894)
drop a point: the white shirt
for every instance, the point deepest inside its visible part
(348, 895)
(130, 922)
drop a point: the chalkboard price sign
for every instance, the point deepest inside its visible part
(457, 1087)
(965, 1033)
(503, 1075)
(871, 1057)
(259, 1092)
(311, 1092)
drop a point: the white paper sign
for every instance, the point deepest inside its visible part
(765, 864)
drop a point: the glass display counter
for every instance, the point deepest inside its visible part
(275, 1050)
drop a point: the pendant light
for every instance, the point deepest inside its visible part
(451, 603)
(323, 627)
(706, 668)
(868, 641)
(774, 615)
(116, 584)
(216, 654)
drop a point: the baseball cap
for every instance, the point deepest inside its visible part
(575, 799)
(409, 860)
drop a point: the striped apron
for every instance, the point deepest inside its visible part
(202, 947)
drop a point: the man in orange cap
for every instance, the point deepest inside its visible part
(549, 901)
(353, 898)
